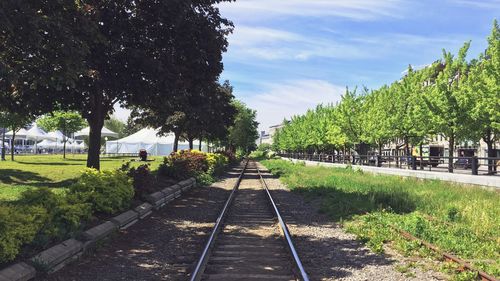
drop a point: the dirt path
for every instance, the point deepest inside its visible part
(163, 247)
(328, 252)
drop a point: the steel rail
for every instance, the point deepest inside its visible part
(200, 266)
(284, 230)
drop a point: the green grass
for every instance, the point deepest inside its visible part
(49, 171)
(458, 219)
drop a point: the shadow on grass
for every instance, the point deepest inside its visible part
(15, 176)
(339, 204)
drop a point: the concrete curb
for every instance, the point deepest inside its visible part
(56, 257)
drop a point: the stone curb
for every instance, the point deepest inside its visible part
(56, 257)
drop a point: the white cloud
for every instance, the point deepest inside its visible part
(279, 101)
(361, 10)
(249, 44)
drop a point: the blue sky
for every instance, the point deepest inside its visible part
(286, 56)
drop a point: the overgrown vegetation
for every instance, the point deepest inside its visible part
(458, 219)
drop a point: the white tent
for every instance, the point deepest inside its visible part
(104, 132)
(149, 140)
(20, 134)
(48, 144)
(57, 135)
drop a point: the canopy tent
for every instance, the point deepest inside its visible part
(20, 134)
(57, 135)
(149, 140)
(48, 144)
(104, 132)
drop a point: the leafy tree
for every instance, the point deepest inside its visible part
(448, 114)
(483, 94)
(132, 127)
(408, 117)
(350, 118)
(107, 52)
(15, 121)
(116, 125)
(243, 134)
(377, 125)
(67, 122)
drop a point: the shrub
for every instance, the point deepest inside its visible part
(184, 164)
(204, 179)
(62, 218)
(216, 163)
(106, 191)
(142, 178)
(18, 226)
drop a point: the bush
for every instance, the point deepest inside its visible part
(18, 226)
(216, 163)
(62, 218)
(184, 164)
(204, 179)
(142, 178)
(106, 191)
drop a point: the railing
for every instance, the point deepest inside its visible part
(473, 165)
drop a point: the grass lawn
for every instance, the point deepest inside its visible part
(458, 219)
(49, 171)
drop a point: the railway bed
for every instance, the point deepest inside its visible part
(250, 240)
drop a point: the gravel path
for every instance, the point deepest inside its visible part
(328, 252)
(164, 246)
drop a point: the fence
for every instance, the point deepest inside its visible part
(474, 165)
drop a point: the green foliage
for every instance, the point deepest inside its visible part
(67, 122)
(453, 98)
(461, 220)
(142, 179)
(243, 134)
(203, 166)
(63, 218)
(107, 191)
(184, 164)
(117, 126)
(216, 163)
(18, 226)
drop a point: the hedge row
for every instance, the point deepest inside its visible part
(203, 166)
(42, 217)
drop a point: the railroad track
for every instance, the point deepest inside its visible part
(250, 240)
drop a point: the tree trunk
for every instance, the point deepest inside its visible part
(380, 149)
(199, 145)
(3, 144)
(176, 142)
(191, 143)
(407, 147)
(64, 148)
(96, 122)
(451, 147)
(12, 144)
(422, 157)
(491, 163)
